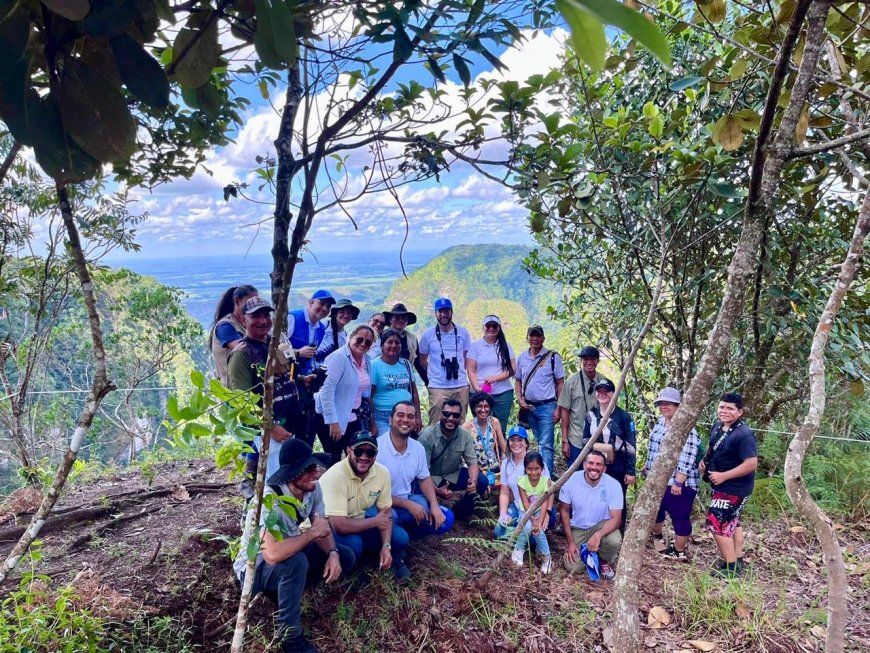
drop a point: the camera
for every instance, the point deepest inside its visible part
(319, 378)
(451, 368)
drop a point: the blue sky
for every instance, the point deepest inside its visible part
(190, 217)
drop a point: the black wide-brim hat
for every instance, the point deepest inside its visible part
(294, 458)
(399, 309)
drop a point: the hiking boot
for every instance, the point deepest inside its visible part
(672, 553)
(517, 557)
(607, 571)
(729, 571)
(298, 645)
(547, 565)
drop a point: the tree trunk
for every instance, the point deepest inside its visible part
(100, 387)
(838, 585)
(767, 163)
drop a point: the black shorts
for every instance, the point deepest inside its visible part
(723, 515)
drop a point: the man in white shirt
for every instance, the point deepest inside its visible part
(415, 504)
(443, 349)
(590, 506)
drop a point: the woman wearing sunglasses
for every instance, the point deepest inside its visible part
(343, 404)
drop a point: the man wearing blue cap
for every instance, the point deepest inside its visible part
(306, 330)
(288, 559)
(443, 349)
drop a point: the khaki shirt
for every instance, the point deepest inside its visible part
(445, 457)
(347, 495)
(578, 396)
(220, 353)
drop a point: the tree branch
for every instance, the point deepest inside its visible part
(833, 144)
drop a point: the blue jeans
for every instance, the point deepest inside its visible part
(465, 506)
(370, 540)
(502, 531)
(572, 454)
(541, 423)
(382, 421)
(406, 520)
(288, 579)
(541, 544)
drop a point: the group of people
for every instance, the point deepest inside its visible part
(388, 476)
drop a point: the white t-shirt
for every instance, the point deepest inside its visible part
(455, 343)
(590, 505)
(405, 468)
(489, 363)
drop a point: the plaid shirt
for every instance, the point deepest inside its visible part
(686, 463)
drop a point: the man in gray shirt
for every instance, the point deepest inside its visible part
(289, 559)
(447, 447)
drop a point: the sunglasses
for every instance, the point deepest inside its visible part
(365, 452)
(449, 414)
(363, 341)
(492, 326)
(378, 323)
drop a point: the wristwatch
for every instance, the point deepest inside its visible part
(332, 550)
(387, 546)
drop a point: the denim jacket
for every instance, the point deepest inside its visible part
(336, 398)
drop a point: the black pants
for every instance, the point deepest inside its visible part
(335, 448)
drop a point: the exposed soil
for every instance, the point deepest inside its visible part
(137, 547)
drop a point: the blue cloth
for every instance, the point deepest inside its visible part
(226, 333)
(391, 383)
(541, 423)
(406, 520)
(382, 420)
(542, 546)
(301, 335)
(338, 394)
(370, 540)
(590, 560)
(502, 531)
(327, 344)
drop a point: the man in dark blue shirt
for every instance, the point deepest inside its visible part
(729, 466)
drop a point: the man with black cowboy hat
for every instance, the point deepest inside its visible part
(290, 559)
(578, 398)
(399, 319)
(245, 372)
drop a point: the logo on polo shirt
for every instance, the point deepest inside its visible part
(603, 495)
(374, 494)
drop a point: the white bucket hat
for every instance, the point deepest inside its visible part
(671, 395)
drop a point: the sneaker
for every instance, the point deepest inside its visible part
(517, 557)
(607, 571)
(298, 645)
(671, 552)
(730, 570)
(400, 570)
(547, 565)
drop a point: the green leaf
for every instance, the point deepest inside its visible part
(142, 74)
(650, 110)
(172, 408)
(462, 69)
(195, 52)
(475, 12)
(738, 68)
(56, 152)
(684, 83)
(402, 46)
(109, 18)
(747, 118)
(725, 190)
(254, 544)
(263, 40)
(199, 430)
(433, 66)
(197, 378)
(587, 33)
(612, 12)
(95, 114)
(284, 32)
(656, 126)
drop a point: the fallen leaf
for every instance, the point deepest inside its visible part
(797, 529)
(658, 617)
(819, 631)
(702, 645)
(607, 637)
(180, 494)
(651, 642)
(742, 610)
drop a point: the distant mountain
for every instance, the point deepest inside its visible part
(479, 280)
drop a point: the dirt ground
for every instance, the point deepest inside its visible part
(146, 545)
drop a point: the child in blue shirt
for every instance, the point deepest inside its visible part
(533, 485)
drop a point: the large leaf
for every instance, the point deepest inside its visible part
(196, 50)
(612, 12)
(108, 18)
(95, 114)
(73, 10)
(14, 66)
(684, 83)
(402, 46)
(727, 133)
(14, 29)
(263, 38)
(56, 152)
(142, 74)
(284, 32)
(587, 33)
(461, 68)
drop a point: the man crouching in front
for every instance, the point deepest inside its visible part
(287, 565)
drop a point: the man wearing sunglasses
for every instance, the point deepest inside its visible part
(452, 459)
(577, 399)
(357, 493)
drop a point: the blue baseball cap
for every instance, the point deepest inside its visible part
(324, 296)
(519, 432)
(443, 303)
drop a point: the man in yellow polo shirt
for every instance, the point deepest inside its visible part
(357, 495)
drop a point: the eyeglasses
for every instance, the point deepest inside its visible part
(449, 414)
(365, 452)
(363, 341)
(378, 323)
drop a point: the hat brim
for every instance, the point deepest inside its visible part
(287, 473)
(354, 311)
(412, 317)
